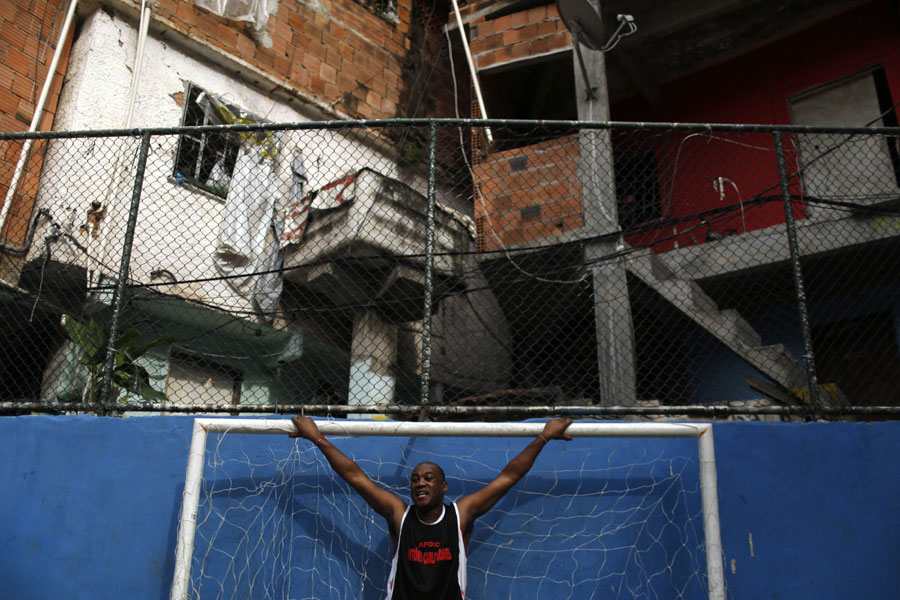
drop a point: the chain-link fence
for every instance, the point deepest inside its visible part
(458, 267)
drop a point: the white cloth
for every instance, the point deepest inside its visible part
(245, 244)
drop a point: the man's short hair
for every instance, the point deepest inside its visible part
(436, 466)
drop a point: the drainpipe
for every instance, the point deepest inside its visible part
(38, 113)
(462, 34)
(129, 117)
(138, 61)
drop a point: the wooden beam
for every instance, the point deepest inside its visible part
(491, 8)
(638, 73)
(673, 16)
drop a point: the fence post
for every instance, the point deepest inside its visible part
(124, 267)
(808, 355)
(429, 266)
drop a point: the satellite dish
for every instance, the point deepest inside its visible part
(583, 22)
(586, 28)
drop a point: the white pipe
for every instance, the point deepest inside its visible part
(715, 569)
(38, 113)
(431, 429)
(129, 117)
(190, 500)
(138, 61)
(462, 34)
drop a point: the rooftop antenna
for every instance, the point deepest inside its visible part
(586, 27)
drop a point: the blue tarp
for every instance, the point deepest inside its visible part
(807, 511)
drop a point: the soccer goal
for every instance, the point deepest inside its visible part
(624, 510)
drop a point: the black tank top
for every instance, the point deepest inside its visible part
(430, 559)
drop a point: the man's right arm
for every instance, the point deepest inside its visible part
(382, 501)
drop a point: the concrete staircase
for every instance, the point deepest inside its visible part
(727, 326)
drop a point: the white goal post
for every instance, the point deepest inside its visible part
(703, 432)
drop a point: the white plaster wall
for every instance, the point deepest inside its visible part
(178, 226)
(177, 229)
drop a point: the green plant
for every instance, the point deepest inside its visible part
(92, 338)
(411, 153)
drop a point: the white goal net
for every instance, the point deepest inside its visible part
(624, 510)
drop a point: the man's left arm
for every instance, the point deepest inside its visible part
(474, 505)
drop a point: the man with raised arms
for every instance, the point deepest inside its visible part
(430, 537)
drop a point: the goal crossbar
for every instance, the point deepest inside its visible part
(703, 432)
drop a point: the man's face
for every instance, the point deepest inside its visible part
(427, 486)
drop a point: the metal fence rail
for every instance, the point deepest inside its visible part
(407, 266)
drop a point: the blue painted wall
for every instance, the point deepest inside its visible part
(91, 504)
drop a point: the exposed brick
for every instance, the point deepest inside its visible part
(226, 35)
(167, 6)
(332, 92)
(503, 23)
(8, 102)
(538, 13)
(23, 87)
(208, 24)
(18, 61)
(7, 11)
(328, 73)
(312, 64)
(28, 23)
(547, 28)
(6, 77)
(186, 12)
(520, 50)
(529, 31)
(282, 65)
(316, 84)
(25, 111)
(246, 47)
(373, 99)
(264, 58)
(12, 35)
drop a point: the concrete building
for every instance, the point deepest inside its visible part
(601, 276)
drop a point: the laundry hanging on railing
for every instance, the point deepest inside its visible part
(249, 229)
(334, 195)
(255, 11)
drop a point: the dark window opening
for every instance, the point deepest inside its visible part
(204, 160)
(861, 358)
(637, 188)
(538, 89)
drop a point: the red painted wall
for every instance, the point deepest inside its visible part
(753, 88)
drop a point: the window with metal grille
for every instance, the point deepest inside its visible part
(204, 159)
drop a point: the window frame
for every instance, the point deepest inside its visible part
(210, 147)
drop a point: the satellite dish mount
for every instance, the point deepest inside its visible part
(586, 27)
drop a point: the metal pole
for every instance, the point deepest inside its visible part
(190, 500)
(472, 71)
(124, 267)
(709, 493)
(808, 355)
(435, 429)
(429, 267)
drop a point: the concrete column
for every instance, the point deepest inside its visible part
(373, 356)
(612, 306)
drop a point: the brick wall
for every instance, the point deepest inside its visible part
(29, 32)
(525, 194)
(520, 35)
(337, 51)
